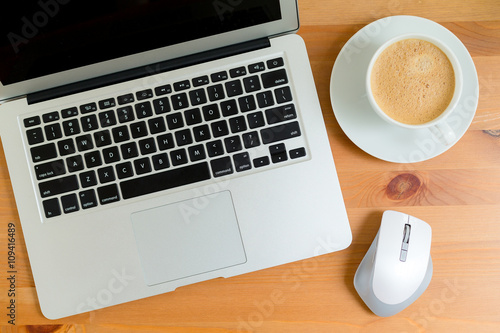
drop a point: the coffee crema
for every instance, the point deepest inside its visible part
(413, 81)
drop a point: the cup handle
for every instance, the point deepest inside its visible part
(443, 132)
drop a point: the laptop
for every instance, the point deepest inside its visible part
(157, 144)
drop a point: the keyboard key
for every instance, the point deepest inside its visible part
(280, 114)
(200, 81)
(147, 146)
(216, 93)
(274, 63)
(70, 203)
(234, 88)
(35, 136)
(251, 84)
(165, 180)
(125, 114)
(165, 141)
(221, 166)
(88, 179)
(256, 119)
(84, 142)
(237, 72)
(107, 118)
(274, 78)
(108, 194)
(215, 148)
(265, 99)
(229, 108)
(160, 161)
(183, 137)
(156, 125)
(144, 94)
(233, 144)
(297, 153)
(111, 155)
(201, 133)
(53, 131)
(197, 97)
(161, 105)
(261, 162)
(278, 153)
(283, 95)
(182, 85)
(247, 103)
(106, 175)
(139, 129)
(75, 163)
(219, 128)
(163, 90)
(143, 110)
(51, 208)
(66, 147)
(258, 67)
(180, 101)
(125, 99)
(88, 199)
(32, 121)
(70, 112)
(43, 153)
(58, 186)
(50, 170)
(251, 140)
(129, 150)
(178, 157)
(211, 112)
(197, 153)
(219, 76)
(93, 159)
(107, 103)
(175, 121)
(89, 107)
(193, 116)
(237, 124)
(71, 127)
(102, 138)
(280, 132)
(89, 123)
(142, 166)
(242, 162)
(50, 117)
(124, 170)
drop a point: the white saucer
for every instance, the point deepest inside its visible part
(354, 113)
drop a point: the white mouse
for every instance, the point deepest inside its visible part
(397, 268)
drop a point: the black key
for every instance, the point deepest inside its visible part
(251, 140)
(219, 128)
(251, 83)
(196, 153)
(163, 90)
(88, 199)
(143, 110)
(193, 116)
(160, 161)
(58, 186)
(88, 179)
(161, 105)
(147, 146)
(182, 85)
(50, 170)
(247, 103)
(211, 112)
(107, 103)
(229, 108)
(111, 155)
(234, 88)
(242, 162)
(106, 175)
(75, 163)
(237, 124)
(142, 166)
(53, 131)
(175, 121)
(144, 94)
(280, 114)
(219, 76)
(265, 99)
(71, 127)
(108, 194)
(124, 170)
(42, 153)
(102, 138)
(165, 180)
(236, 72)
(93, 159)
(201, 133)
(180, 101)
(183, 137)
(215, 148)
(197, 97)
(216, 92)
(70, 203)
(89, 123)
(274, 63)
(70, 112)
(297, 153)
(233, 144)
(261, 161)
(280, 132)
(50, 117)
(283, 95)
(89, 107)
(129, 150)
(200, 81)
(66, 147)
(178, 157)
(139, 129)
(156, 125)
(84, 142)
(125, 99)
(258, 67)
(32, 121)
(125, 114)
(35, 136)
(107, 118)
(51, 208)
(278, 153)
(274, 78)
(165, 141)
(221, 166)
(256, 119)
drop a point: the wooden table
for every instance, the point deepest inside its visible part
(458, 193)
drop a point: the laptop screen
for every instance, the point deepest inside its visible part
(42, 37)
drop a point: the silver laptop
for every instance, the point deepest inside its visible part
(156, 144)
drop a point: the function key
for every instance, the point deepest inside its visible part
(163, 90)
(182, 85)
(107, 103)
(274, 63)
(51, 208)
(70, 112)
(200, 81)
(124, 99)
(220, 76)
(89, 107)
(51, 116)
(236, 72)
(258, 67)
(32, 121)
(144, 94)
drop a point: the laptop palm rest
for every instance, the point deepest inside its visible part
(188, 238)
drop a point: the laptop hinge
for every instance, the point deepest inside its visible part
(148, 70)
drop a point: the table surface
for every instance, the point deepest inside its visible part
(457, 192)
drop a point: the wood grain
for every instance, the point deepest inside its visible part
(458, 193)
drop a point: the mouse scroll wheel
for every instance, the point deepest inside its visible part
(406, 233)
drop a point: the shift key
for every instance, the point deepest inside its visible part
(280, 132)
(58, 186)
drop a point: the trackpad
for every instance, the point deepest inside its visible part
(188, 238)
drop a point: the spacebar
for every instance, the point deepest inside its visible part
(165, 180)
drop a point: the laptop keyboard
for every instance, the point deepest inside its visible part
(214, 125)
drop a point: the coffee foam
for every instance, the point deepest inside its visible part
(413, 81)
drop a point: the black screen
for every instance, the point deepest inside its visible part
(41, 37)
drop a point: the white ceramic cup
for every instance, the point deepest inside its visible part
(438, 126)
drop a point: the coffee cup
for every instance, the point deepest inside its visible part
(414, 81)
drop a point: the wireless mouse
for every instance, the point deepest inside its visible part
(397, 268)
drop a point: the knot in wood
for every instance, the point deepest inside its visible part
(403, 186)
